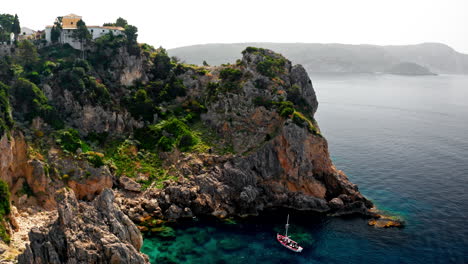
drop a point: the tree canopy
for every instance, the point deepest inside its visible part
(16, 28)
(81, 33)
(56, 30)
(6, 25)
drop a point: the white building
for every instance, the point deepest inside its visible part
(69, 25)
(27, 33)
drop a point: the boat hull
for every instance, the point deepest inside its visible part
(289, 243)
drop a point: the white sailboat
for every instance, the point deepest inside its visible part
(288, 242)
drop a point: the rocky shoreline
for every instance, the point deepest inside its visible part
(277, 158)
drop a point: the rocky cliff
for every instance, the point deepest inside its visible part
(94, 232)
(282, 161)
(173, 140)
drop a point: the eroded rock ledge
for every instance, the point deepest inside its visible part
(86, 232)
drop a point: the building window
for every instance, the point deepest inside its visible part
(71, 23)
(92, 30)
(103, 30)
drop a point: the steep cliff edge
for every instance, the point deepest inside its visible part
(181, 141)
(280, 158)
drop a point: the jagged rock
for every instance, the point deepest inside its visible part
(129, 184)
(174, 212)
(86, 232)
(384, 222)
(18, 170)
(300, 78)
(336, 203)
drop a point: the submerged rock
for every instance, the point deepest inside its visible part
(385, 222)
(230, 244)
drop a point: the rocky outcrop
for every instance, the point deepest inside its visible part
(92, 118)
(18, 169)
(94, 232)
(281, 163)
(291, 171)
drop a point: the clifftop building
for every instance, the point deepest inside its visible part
(69, 24)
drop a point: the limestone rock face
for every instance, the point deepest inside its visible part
(18, 169)
(300, 78)
(129, 184)
(279, 163)
(86, 232)
(93, 118)
(291, 171)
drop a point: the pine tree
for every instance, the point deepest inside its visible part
(82, 34)
(16, 28)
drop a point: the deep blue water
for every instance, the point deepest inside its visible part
(404, 141)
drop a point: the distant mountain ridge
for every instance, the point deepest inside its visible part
(345, 58)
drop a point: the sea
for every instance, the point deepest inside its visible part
(403, 140)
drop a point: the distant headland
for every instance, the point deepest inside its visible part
(339, 58)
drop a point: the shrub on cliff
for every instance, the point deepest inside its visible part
(4, 210)
(271, 67)
(166, 135)
(4, 198)
(161, 65)
(31, 100)
(6, 121)
(95, 158)
(69, 140)
(84, 86)
(230, 74)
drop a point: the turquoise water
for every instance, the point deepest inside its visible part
(404, 141)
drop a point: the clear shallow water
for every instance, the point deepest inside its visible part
(404, 141)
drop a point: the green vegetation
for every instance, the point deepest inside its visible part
(168, 134)
(32, 99)
(26, 55)
(230, 74)
(145, 100)
(6, 26)
(69, 140)
(77, 78)
(16, 28)
(271, 67)
(6, 121)
(4, 210)
(287, 109)
(302, 121)
(81, 33)
(251, 50)
(56, 30)
(272, 64)
(95, 158)
(128, 160)
(161, 65)
(231, 78)
(130, 32)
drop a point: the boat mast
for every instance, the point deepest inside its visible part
(287, 225)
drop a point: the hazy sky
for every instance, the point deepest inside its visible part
(177, 23)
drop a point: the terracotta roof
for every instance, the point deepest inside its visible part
(72, 15)
(112, 28)
(106, 27)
